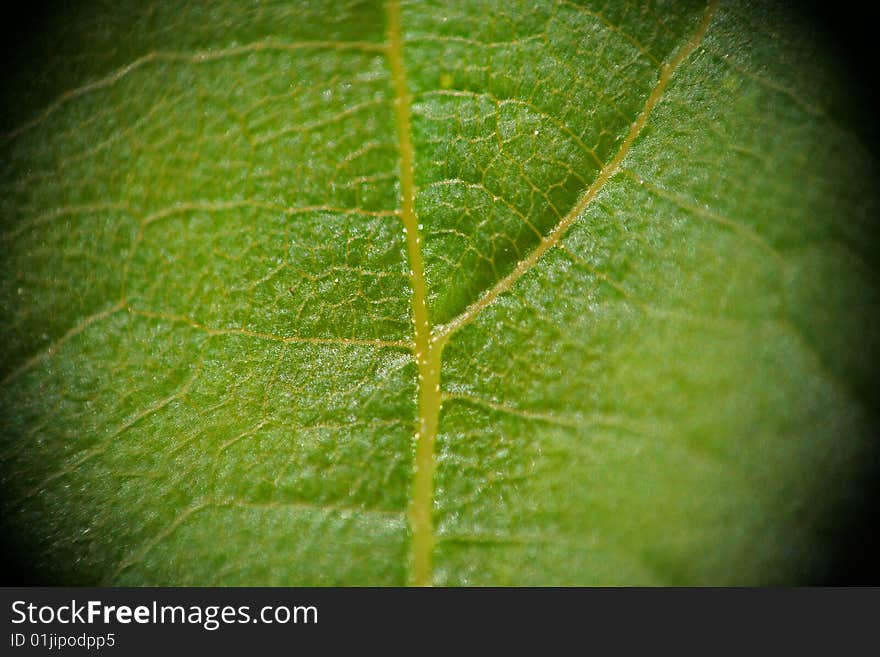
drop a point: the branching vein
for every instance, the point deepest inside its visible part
(607, 172)
(55, 346)
(189, 58)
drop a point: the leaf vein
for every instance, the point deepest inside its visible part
(57, 344)
(607, 172)
(191, 58)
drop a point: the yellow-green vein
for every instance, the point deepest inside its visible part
(427, 350)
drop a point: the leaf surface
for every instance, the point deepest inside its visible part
(475, 293)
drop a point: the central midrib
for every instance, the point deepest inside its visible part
(427, 351)
(428, 343)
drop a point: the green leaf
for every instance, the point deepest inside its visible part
(472, 293)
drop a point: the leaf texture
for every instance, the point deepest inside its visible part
(463, 294)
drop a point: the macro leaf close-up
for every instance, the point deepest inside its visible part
(451, 293)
